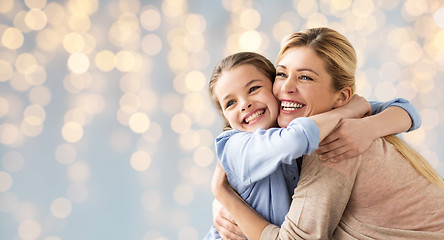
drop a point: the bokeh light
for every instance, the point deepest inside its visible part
(61, 208)
(5, 181)
(72, 132)
(13, 161)
(29, 229)
(140, 161)
(36, 19)
(104, 106)
(79, 172)
(139, 122)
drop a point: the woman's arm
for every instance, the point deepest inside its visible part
(249, 220)
(225, 224)
(392, 117)
(316, 209)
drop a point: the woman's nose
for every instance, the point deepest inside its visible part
(289, 86)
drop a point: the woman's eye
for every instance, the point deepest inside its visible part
(252, 89)
(280, 74)
(229, 103)
(305, 78)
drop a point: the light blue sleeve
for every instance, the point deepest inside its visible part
(378, 107)
(212, 234)
(251, 156)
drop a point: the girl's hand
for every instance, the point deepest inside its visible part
(349, 139)
(225, 224)
(357, 107)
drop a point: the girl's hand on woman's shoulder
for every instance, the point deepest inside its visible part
(358, 106)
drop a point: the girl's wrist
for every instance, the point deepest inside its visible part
(368, 123)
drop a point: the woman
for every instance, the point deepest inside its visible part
(387, 192)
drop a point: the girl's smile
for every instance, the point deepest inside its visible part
(253, 117)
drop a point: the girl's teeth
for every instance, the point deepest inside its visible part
(254, 116)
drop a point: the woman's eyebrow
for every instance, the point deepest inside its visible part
(299, 69)
(307, 69)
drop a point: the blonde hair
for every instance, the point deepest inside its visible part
(261, 63)
(418, 162)
(340, 58)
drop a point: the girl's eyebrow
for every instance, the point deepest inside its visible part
(299, 69)
(246, 85)
(252, 81)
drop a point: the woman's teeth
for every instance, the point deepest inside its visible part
(291, 106)
(254, 116)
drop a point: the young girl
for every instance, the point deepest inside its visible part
(241, 86)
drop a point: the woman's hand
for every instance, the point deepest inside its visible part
(225, 224)
(351, 138)
(219, 182)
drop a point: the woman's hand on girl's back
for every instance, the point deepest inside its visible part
(223, 221)
(225, 224)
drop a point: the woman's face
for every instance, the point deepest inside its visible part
(303, 85)
(246, 97)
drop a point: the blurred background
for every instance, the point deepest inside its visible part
(106, 126)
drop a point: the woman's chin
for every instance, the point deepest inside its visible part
(284, 121)
(285, 118)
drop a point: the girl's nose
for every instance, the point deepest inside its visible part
(246, 106)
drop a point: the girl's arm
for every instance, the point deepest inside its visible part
(253, 156)
(392, 117)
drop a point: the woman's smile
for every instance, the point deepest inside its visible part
(290, 106)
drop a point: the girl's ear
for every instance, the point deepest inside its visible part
(344, 96)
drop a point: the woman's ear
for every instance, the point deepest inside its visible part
(344, 96)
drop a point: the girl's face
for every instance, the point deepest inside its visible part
(303, 85)
(246, 98)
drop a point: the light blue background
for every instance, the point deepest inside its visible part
(171, 198)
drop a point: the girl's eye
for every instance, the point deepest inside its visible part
(252, 89)
(229, 103)
(303, 77)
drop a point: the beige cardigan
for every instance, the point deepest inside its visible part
(377, 195)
